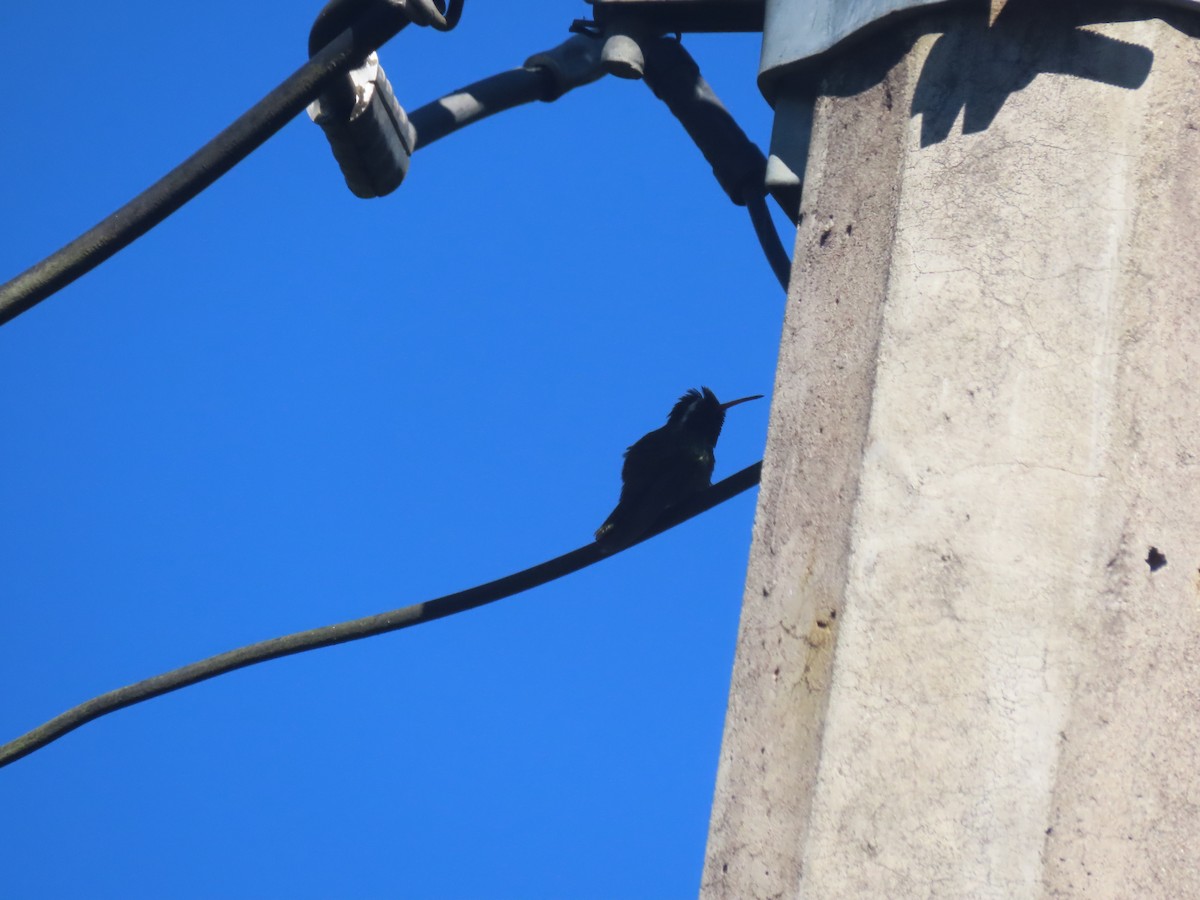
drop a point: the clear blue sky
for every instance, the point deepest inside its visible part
(286, 407)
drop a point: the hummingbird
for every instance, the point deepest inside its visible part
(667, 466)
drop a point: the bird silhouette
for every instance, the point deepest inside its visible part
(667, 466)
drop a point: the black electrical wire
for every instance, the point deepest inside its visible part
(506, 90)
(674, 77)
(478, 101)
(735, 159)
(379, 23)
(737, 163)
(768, 237)
(546, 76)
(357, 629)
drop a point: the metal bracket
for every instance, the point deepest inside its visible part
(795, 31)
(666, 16)
(799, 34)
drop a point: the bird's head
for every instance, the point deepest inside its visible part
(700, 412)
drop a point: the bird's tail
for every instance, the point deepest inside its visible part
(625, 525)
(606, 530)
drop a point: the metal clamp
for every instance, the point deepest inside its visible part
(372, 140)
(367, 129)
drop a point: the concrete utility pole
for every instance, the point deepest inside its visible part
(969, 659)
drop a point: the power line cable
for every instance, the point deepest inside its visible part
(364, 26)
(737, 162)
(378, 23)
(769, 239)
(357, 629)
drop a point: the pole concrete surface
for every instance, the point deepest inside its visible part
(969, 655)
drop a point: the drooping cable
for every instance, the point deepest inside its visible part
(476, 101)
(674, 77)
(737, 163)
(769, 239)
(357, 629)
(378, 24)
(671, 72)
(546, 76)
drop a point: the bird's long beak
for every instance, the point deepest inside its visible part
(740, 400)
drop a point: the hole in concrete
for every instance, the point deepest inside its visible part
(1155, 560)
(825, 235)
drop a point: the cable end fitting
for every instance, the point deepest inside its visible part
(622, 55)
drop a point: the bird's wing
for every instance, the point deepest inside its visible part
(652, 453)
(663, 472)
